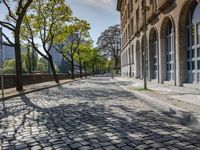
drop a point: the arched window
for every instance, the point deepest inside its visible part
(193, 44)
(169, 52)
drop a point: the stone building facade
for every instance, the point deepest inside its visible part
(173, 40)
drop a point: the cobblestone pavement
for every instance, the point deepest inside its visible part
(89, 114)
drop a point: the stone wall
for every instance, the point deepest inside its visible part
(165, 12)
(10, 80)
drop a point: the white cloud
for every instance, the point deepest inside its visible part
(102, 4)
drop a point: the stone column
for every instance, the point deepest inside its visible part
(181, 52)
(177, 56)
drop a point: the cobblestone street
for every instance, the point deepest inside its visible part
(89, 114)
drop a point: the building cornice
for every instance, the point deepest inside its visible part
(119, 3)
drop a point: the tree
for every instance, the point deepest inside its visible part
(13, 23)
(42, 65)
(64, 66)
(85, 55)
(9, 66)
(95, 59)
(109, 44)
(89, 56)
(31, 60)
(45, 21)
(68, 42)
(103, 65)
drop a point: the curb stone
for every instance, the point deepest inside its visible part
(184, 116)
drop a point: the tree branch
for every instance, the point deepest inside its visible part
(37, 50)
(59, 50)
(8, 40)
(7, 25)
(4, 43)
(9, 10)
(22, 13)
(19, 7)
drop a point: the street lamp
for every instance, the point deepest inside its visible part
(144, 10)
(112, 67)
(1, 62)
(130, 64)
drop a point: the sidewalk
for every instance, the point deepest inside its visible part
(11, 92)
(176, 100)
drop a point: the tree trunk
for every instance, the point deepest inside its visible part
(29, 61)
(116, 65)
(33, 61)
(72, 67)
(93, 70)
(19, 81)
(80, 69)
(53, 69)
(85, 70)
(80, 65)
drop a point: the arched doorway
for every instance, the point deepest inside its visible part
(167, 51)
(193, 43)
(153, 54)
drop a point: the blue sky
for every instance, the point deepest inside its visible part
(99, 13)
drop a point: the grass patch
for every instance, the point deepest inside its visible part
(142, 89)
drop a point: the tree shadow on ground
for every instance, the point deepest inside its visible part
(86, 93)
(95, 125)
(91, 124)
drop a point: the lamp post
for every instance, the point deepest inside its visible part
(1, 62)
(112, 67)
(130, 67)
(144, 10)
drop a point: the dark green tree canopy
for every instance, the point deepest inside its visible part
(109, 41)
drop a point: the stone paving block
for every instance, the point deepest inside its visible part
(85, 148)
(20, 146)
(95, 145)
(84, 143)
(157, 145)
(78, 139)
(126, 148)
(47, 148)
(99, 149)
(94, 114)
(75, 145)
(105, 143)
(121, 145)
(36, 148)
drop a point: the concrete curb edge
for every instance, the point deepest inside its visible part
(165, 108)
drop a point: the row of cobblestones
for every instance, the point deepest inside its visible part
(87, 115)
